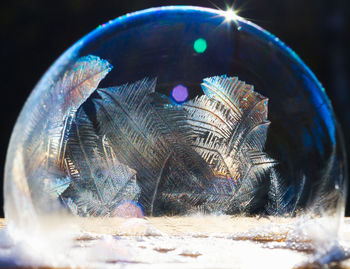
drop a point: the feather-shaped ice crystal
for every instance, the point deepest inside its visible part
(205, 155)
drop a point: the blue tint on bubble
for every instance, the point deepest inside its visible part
(252, 53)
(307, 139)
(158, 44)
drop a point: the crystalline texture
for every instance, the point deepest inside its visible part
(205, 155)
(230, 122)
(47, 141)
(99, 181)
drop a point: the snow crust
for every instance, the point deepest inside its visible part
(239, 242)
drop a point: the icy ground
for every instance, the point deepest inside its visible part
(178, 242)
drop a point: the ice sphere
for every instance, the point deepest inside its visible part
(106, 131)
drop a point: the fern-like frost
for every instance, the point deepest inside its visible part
(204, 155)
(46, 143)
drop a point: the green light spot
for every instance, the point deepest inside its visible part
(200, 45)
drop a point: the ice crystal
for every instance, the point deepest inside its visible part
(58, 186)
(283, 199)
(152, 137)
(204, 155)
(230, 123)
(99, 181)
(70, 92)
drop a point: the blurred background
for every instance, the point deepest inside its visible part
(35, 32)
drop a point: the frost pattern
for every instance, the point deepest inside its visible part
(99, 181)
(283, 199)
(152, 137)
(46, 139)
(131, 143)
(58, 186)
(230, 123)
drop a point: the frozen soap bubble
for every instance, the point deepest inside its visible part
(176, 111)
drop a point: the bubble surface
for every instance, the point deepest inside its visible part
(251, 130)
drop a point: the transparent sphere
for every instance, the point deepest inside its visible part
(176, 111)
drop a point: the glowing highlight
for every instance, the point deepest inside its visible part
(230, 15)
(200, 45)
(179, 93)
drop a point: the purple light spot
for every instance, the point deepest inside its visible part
(179, 93)
(128, 209)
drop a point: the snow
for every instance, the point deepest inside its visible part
(167, 242)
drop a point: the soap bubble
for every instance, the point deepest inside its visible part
(176, 111)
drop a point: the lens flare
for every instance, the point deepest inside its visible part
(179, 93)
(200, 45)
(230, 15)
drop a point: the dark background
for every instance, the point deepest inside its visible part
(33, 33)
